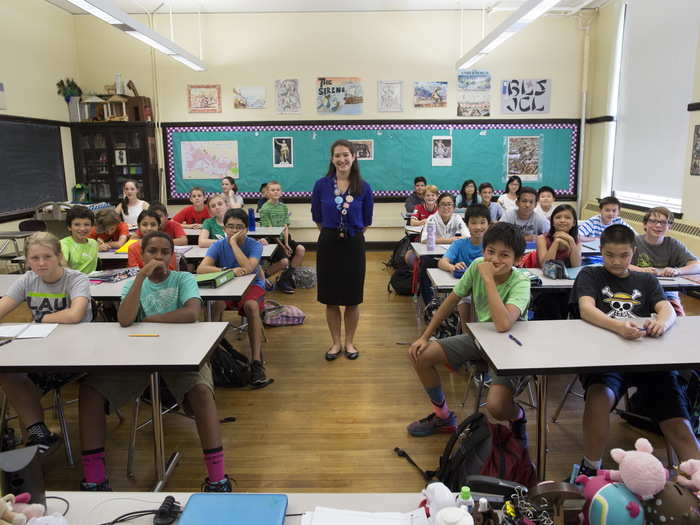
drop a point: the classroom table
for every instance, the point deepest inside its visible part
(589, 349)
(412, 230)
(11, 237)
(107, 346)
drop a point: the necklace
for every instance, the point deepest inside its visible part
(342, 204)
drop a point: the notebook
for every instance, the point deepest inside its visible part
(234, 509)
(125, 246)
(214, 279)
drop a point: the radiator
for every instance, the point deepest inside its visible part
(686, 232)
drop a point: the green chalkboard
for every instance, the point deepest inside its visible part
(200, 154)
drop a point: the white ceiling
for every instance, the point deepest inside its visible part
(258, 6)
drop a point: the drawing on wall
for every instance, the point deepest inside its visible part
(442, 151)
(526, 95)
(695, 153)
(211, 159)
(204, 98)
(523, 157)
(474, 94)
(341, 95)
(287, 95)
(389, 95)
(249, 97)
(3, 101)
(282, 152)
(120, 157)
(364, 149)
(430, 94)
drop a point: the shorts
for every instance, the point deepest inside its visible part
(676, 304)
(279, 254)
(462, 349)
(119, 388)
(660, 392)
(253, 293)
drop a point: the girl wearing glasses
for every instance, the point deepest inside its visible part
(448, 226)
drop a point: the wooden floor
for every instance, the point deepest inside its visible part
(326, 427)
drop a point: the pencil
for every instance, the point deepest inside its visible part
(144, 335)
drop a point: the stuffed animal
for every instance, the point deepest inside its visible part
(609, 503)
(7, 515)
(20, 504)
(673, 505)
(689, 475)
(640, 471)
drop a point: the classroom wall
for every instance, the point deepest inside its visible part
(691, 186)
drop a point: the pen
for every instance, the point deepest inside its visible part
(5, 342)
(144, 335)
(513, 338)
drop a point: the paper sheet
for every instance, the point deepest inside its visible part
(328, 516)
(27, 330)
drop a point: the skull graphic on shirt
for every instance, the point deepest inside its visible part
(621, 303)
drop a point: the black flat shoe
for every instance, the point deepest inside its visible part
(332, 356)
(352, 355)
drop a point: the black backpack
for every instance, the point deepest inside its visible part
(401, 281)
(397, 259)
(448, 327)
(229, 367)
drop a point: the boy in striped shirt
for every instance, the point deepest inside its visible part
(609, 214)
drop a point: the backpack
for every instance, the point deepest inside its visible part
(401, 281)
(449, 327)
(229, 367)
(397, 259)
(304, 277)
(276, 314)
(483, 448)
(554, 269)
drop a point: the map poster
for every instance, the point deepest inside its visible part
(340, 95)
(211, 159)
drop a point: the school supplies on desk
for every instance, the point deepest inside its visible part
(113, 276)
(234, 509)
(182, 250)
(125, 247)
(214, 279)
(328, 516)
(27, 331)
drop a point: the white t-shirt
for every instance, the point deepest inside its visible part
(131, 218)
(453, 227)
(507, 203)
(546, 214)
(233, 200)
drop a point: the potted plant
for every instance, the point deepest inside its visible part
(70, 91)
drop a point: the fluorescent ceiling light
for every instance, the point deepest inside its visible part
(527, 13)
(107, 11)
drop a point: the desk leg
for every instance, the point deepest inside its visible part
(210, 310)
(163, 469)
(542, 427)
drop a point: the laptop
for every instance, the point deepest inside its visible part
(234, 509)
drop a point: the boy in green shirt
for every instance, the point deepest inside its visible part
(500, 294)
(78, 250)
(275, 213)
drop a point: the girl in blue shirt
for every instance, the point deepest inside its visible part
(341, 207)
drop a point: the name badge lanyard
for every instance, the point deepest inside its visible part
(342, 204)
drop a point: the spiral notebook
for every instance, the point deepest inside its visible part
(234, 509)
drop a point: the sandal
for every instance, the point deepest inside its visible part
(331, 356)
(352, 355)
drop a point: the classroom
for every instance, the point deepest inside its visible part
(211, 100)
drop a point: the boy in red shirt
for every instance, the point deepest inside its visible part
(172, 228)
(193, 216)
(111, 233)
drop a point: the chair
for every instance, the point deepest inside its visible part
(32, 225)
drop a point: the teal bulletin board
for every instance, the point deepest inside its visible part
(541, 152)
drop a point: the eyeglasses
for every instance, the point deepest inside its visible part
(234, 227)
(660, 223)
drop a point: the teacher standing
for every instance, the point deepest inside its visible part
(341, 207)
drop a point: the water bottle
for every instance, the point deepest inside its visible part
(430, 236)
(465, 499)
(251, 220)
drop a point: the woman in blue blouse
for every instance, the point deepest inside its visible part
(341, 207)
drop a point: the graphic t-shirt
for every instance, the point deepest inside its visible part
(81, 256)
(166, 296)
(216, 231)
(47, 298)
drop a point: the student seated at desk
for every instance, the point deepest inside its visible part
(263, 199)
(109, 231)
(524, 217)
(242, 254)
(467, 195)
(611, 297)
(172, 228)
(545, 201)
(448, 226)
(508, 199)
(54, 294)
(486, 196)
(561, 241)
(229, 189)
(428, 208)
(80, 252)
(499, 294)
(130, 206)
(156, 295)
(609, 214)
(213, 227)
(148, 221)
(663, 256)
(193, 216)
(463, 251)
(418, 195)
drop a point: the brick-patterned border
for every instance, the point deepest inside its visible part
(170, 128)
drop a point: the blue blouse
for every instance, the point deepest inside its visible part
(325, 213)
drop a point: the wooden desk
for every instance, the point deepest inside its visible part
(89, 347)
(588, 349)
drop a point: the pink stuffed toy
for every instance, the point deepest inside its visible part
(641, 472)
(689, 475)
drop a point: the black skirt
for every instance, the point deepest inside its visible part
(340, 268)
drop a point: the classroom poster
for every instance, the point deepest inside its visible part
(205, 98)
(339, 95)
(249, 97)
(212, 159)
(523, 157)
(474, 93)
(3, 101)
(287, 95)
(389, 95)
(442, 151)
(526, 95)
(431, 94)
(282, 152)
(364, 149)
(695, 153)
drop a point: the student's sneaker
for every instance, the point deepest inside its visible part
(519, 429)
(433, 425)
(217, 486)
(47, 445)
(95, 487)
(284, 287)
(258, 379)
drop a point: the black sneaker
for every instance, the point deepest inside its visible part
(217, 486)
(95, 487)
(519, 429)
(258, 379)
(47, 445)
(284, 287)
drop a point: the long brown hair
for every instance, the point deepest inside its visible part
(355, 177)
(125, 199)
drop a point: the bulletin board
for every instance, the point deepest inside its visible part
(485, 151)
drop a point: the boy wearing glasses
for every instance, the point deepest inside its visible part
(241, 254)
(663, 256)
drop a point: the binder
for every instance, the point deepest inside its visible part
(234, 509)
(214, 279)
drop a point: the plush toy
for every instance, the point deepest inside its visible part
(20, 504)
(7, 515)
(640, 471)
(609, 503)
(689, 475)
(673, 505)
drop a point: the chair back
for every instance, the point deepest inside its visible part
(32, 225)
